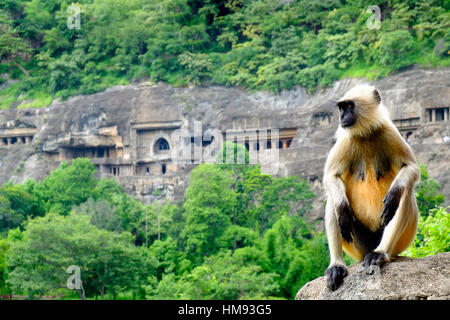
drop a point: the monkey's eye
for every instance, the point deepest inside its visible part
(347, 104)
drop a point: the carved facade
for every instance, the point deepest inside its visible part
(11, 136)
(148, 153)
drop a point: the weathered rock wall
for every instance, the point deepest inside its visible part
(107, 118)
(402, 279)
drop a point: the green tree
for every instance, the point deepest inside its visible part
(284, 195)
(13, 48)
(197, 65)
(208, 207)
(103, 215)
(4, 288)
(247, 181)
(16, 205)
(158, 220)
(68, 185)
(38, 258)
(171, 260)
(222, 276)
(131, 213)
(427, 193)
(295, 253)
(396, 49)
(433, 234)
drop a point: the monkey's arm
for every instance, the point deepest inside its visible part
(336, 192)
(336, 271)
(337, 220)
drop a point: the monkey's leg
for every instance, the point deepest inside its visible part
(399, 215)
(401, 228)
(336, 271)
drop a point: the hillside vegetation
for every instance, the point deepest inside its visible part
(257, 44)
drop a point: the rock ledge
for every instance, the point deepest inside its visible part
(402, 279)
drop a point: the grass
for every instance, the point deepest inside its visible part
(423, 58)
(11, 95)
(40, 100)
(431, 60)
(363, 70)
(6, 101)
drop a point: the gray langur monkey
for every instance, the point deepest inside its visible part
(369, 178)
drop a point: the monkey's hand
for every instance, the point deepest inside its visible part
(346, 218)
(335, 276)
(391, 202)
(373, 260)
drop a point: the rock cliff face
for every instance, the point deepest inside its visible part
(402, 279)
(126, 122)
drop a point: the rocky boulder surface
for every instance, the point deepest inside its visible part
(401, 279)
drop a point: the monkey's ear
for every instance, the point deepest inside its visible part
(377, 96)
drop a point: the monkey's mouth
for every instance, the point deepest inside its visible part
(347, 123)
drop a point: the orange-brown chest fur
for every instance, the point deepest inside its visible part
(368, 178)
(366, 196)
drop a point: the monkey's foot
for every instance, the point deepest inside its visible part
(335, 276)
(374, 260)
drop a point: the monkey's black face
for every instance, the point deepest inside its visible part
(347, 110)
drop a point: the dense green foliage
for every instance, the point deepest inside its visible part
(433, 234)
(257, 44)
(108, 261)
(4, 247)
(433, 230)
(237, 234)
(427, 193)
